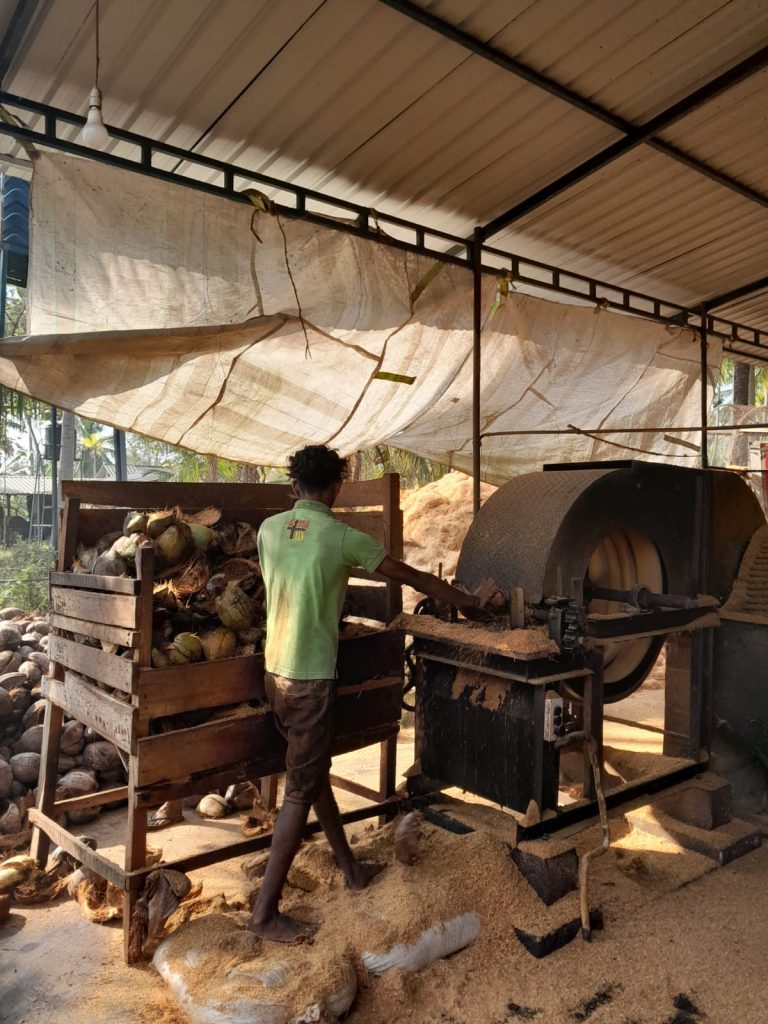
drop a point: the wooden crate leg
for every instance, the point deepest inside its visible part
(268, 791)
(135, 857)
(387, 774)
(46, 787)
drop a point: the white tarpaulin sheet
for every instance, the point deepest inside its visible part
(245, 335)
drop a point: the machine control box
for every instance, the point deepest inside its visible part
(554, 717)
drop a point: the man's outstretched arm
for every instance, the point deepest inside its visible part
(488, 593)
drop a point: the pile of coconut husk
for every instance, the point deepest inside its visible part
(208, 595)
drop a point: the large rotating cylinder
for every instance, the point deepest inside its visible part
(673, 530)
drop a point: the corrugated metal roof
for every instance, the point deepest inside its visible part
(357, 100)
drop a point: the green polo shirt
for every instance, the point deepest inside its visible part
(305, 558)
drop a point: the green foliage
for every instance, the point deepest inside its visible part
(26, 565)
(414, 471)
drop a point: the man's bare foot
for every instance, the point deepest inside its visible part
(165, 816)
(360, 874)
(282, 928)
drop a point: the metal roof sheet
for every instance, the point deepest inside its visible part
(355, 99)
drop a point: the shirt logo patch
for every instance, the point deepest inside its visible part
(297, 528)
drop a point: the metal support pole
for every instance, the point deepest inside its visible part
(121, 464)
(3, 287)
(477, 309)
(54, 483)
(703, 395)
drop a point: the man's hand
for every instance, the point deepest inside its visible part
(489, 594)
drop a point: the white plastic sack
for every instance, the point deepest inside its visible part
(251, 336)
(439, 941)
(227, 1003)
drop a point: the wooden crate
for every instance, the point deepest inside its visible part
(233, 745)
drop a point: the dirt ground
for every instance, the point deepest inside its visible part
(684, 942)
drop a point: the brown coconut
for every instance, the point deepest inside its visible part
(78, 782)
(32, 739)
(72, 738)
(36, 713)
(9, 661)
(6, 780)
(101, 756)
(6, 704)
(26, 768)
(10, 637)
(10, 821)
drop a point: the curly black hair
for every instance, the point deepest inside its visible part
(317, 467)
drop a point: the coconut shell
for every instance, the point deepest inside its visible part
(234, 608)
(238, 539)
(205, 517)
(213, 806)
(29, 639)
(16, 870)
(21, 700)
(105, 543)
(174, 544)
(10, 821)
(83, 816)
(72, 738)
(125, 548)
(159, 658)
(102, 756)
(109, 564)
(9, 661)
(31, 670)
(13, 680)
(78, 782)
(11, 613)
(66, 763)
(26, 768)
(158, 522)
(6, 780)
(202, 536)
(41, 659)
(10, 637)
(218, 643)
(41, 626)
(135, 522)
(36, 713)
(32, 739)
(6, 704)
(241, 795)
(186, 647)
(100, 901)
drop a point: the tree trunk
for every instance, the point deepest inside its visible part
(743, 384)
(67, 455)
(212, 468)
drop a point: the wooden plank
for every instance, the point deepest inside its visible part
(359, 493)
(95, 523)
(263, 765)
(168, 691)
(91, 858)
(96, 630)
(145, 565)
(110, 609)
(371, 523)
(111, 718)
(110, 584)
(68, 534)
(350, 786)
(92, 662)
(157, 495)
(185, 752)
(46, 783)
(393, 540)
(379, 652)
(78, 803)
(367, 602)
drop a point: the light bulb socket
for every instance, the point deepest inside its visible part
(95, 100)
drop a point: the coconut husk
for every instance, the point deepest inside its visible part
(19, 841)
(245, 571)
(42, 889)
(205, 517)
(164, 890)
(194, 575)
(238, 539)
(99, 900)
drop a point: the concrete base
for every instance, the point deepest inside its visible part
(704, 803)
(722, 844)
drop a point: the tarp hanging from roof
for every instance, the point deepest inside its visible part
(239, 334)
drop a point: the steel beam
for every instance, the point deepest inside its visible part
(14, 34)
(634, 134)
(726, 298)
(342, 215)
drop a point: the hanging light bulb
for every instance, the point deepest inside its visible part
(94, 134)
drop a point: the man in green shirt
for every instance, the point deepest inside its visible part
(306, 555)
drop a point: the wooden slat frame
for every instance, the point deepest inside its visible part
(79, 803)
(97, 630)
(90, 661)
(157, 494)
(91, 858)
(111, 718)
(108, 584)
(367, 602)
(169, 691)
(109, 609)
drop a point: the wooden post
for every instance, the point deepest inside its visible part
(593, 717)
(136, 839)
(393, 538)
(387, 774)
(268, 791)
